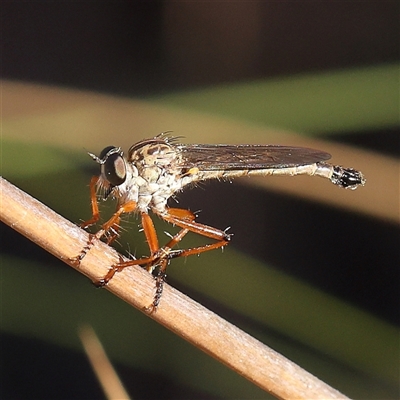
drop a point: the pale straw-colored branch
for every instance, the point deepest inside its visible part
(107, 376)
(188, 319)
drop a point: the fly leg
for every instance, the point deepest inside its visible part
(95, 217)
(162, 260)
(109, 229)
(94, 203)
(148, 262)
(159, 258)
(186, 220)
(111, 234)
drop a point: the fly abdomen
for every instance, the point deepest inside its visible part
(348, 178)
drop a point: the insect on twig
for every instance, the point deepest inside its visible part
(157, 168)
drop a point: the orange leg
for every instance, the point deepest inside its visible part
(113, 223)
(185, 219)
(157, 254)
(94, 203)
(166, 255)
(109, 229)
(161, 256)
(150, 233)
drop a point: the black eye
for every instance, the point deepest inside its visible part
(107, 150)
(114, 169)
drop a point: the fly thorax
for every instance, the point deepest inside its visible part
(156, 185)
(156, 163)
(152, 153)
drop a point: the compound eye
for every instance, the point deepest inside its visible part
(109, 149)
(114, 169)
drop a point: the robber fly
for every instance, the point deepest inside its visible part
(156, 169)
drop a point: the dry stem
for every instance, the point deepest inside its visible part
(188, 319)
(105, 372)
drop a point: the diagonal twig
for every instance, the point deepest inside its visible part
(188, 319)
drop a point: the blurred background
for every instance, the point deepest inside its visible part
(312, 270)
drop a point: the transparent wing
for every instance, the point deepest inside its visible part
(208, 157)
